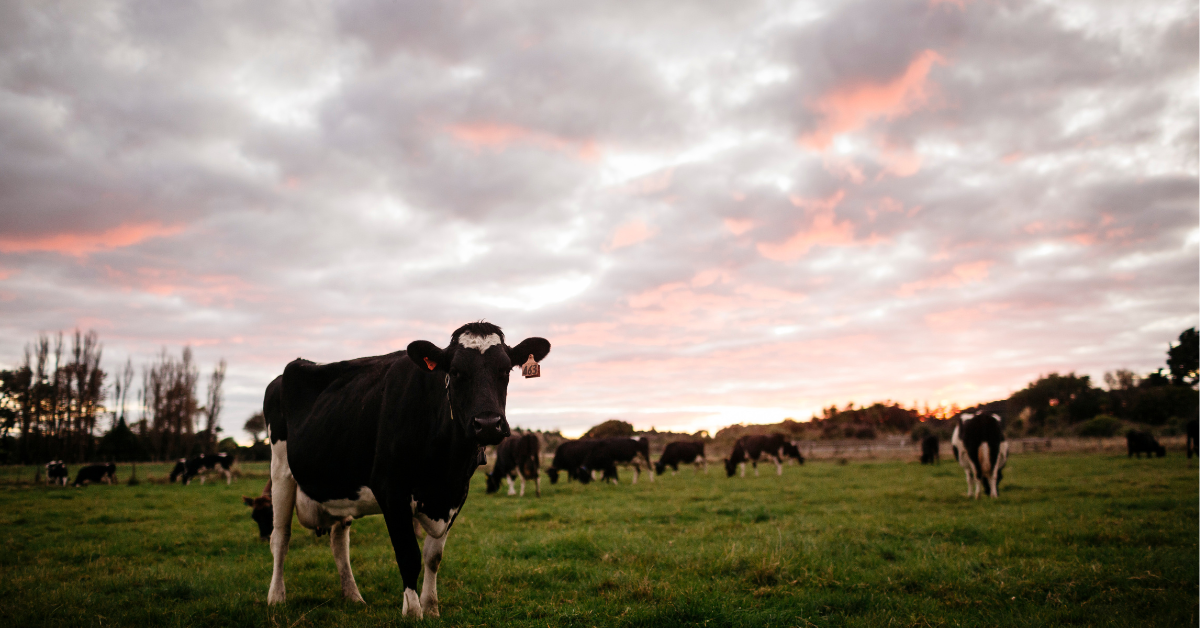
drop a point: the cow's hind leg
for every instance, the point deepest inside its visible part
(433, 558)
(283, 501)
(522, 492)
(339, 543)
(511, 489)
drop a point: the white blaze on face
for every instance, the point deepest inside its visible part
(482, 343)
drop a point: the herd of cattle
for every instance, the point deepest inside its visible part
(401, 435)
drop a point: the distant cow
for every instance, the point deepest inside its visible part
(1193, 427)
(1143, 443)
(199, 465)
(56, 472)
(685, 451)
(93, 473)
(569, 457)
(929, 450)
(980, 448)
(610, 452)
(752, 448)
(517, 455)
(261, 512)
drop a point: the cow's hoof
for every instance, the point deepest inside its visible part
(354, 596)
(276, 597)
(431, 608)
(412, 605)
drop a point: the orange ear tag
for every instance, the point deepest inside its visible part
(531, 368)
(430, 363)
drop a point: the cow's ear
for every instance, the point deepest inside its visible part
(427, 356)
(249, 501)
(537, 347)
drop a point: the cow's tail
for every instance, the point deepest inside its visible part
(985, 460)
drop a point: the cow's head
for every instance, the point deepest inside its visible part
(660, 467)
(476, 366)
(791, 450)
(262, 513)
(493, 482)
(730, 467)
(584, 475)
(180, 469)
(552, 473)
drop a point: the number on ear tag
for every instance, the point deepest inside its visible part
(531, 368)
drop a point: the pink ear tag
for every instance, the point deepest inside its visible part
(531, 368)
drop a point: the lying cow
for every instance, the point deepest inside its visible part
(980, 448)
(752, 448)
(681, 451)
(517, 456)
(607, 453)
(398, 435)
(1193, 429)
(1143, 443)
(56, 473)
(929, 449)
(93, 473)
(569, 457)
(200, 465)
(261, 511)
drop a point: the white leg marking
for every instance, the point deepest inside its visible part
(339, 543)
(283, 499)
(537, 483)
(522, 494)
(778, 466)
(635, 473)
(433, 558)
(511, 490)
(412, 604)
(742, 466)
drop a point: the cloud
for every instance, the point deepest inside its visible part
(629, 234)
(81, 244)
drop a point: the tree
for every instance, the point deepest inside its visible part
(255, 425)
(1183, 359)
(611, 428)
(212, 407)
(169, 398)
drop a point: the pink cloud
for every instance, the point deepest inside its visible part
(738, 226)
(824, 230)
(629, 234)
(81, 244)
(850, 107)
(499, 137)
(959, 275)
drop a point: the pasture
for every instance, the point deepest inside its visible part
(1075, 539)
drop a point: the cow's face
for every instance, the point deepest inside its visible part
(476, 368)
(493, 482)
(262, 513)
(553, 474)
(730, 467)
(792, 451)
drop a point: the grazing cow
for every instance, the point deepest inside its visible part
(199, 465)
(517, 455)
(92, 473)
(685, 451)
(569, 457)
(1143, 443)
(607, 453)
(929, 449)
(980, 448)
(56, 472)
(774, 448)
(1193, 427)
(398, 435)
(261, 511)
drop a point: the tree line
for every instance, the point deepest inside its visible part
(53, 405)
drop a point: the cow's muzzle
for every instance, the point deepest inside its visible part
(490, 428)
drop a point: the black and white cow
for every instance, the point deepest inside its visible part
(569, 457)
(93, 473)
(682, 451)
(261, 511)
(929, 449)
(398, 435)
(56, 472)
(1193, 430)
(518, 456)
(200, 465)
(980, 448)
(607, 453)
(774, 448)
(1143, 443)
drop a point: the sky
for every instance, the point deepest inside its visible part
(715, 211)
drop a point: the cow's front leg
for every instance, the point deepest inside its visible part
(433, 558)
(636, 470)
(283, 500)
(511, 489)
(742, 468)
(537, 485)
(755, 465)
(522, 493)
(779, 465)
(339, 543)
(408, 556)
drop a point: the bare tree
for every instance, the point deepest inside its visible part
(212, 407)
(169, 394)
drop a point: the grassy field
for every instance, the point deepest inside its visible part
(1088, 540)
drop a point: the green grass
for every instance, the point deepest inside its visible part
(1084, 540)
